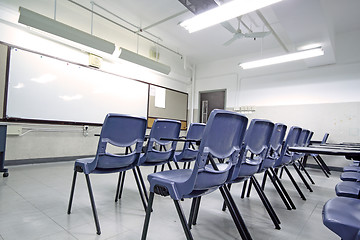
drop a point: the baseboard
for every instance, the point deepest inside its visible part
(42, 160)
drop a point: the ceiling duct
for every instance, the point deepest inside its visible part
(198, 6)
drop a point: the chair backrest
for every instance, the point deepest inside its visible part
(158, 150)
(123, 131)
(195, 131)
(326, 135)
(254, 149)
(290, 141)
(301, 142)
(223, 135)
(309, 138)
(275, 144)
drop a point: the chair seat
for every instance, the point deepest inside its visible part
(171, 180)
(348, 189)
(84, 162)
(351, 169)
(350, 176)
(342, 216)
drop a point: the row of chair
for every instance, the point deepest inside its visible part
(127, 135)
(241, 152)
(342, 213)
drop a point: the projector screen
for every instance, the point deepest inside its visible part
(45, 88)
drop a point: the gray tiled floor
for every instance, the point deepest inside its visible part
(33, 204)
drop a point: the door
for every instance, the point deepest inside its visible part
(210, 101)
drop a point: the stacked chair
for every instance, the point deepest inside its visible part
(189, 151)
(285, 159)
(158, 151)
(274, 153)
(222, 139)
(298, 157)
(122, 131)
(254, 152)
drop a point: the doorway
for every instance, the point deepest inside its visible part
(210, 101)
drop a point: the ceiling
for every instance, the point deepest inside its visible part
(294, 22)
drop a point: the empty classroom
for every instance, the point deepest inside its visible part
(179, 119)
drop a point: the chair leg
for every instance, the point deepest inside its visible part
(98, 231)
(294, 183)
(249, 189)
(302, 177)
(170, 168)
(177, 165)
(306, 172)
(196, 210)
(244, 189)
(264, 179)
(304, 160)
(189, 164)
(266, 203)
(323, 164)
(142, 183)
(120, 185)
(192, 211)
(117, 195)
(147, 216)
(183, 220)
(72, 192)
(224, 205)
(321, 167)
(235, 214)
(162, 167)
(143, 200)
(281, 172)
(281, 190)
(155, 169)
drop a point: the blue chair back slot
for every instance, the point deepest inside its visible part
(223, 135)
(291, 141)
(254, 150)
(302, 142)
(196, 131)
(121, 131)
(275, 144)
(161, 151)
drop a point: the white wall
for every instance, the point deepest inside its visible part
(322, 99)
(51, 141)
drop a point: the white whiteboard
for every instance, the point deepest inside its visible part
(45, 88)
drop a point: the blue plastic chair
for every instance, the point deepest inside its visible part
(348, 189)
(274, 151)
(122, 131)
(298, 158)
(222, 138)
(350, 176)
(255, 150)
(157, 151)
(342, 216)
(286, 156)
(189, 151)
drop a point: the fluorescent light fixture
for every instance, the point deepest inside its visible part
(35, 20)
(223, 13)
(284, 58)
(143, 61)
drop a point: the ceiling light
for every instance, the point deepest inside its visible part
(143, 61)
(284, 58)
(223, 13)
(35, 20)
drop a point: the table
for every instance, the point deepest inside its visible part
(349, 153)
